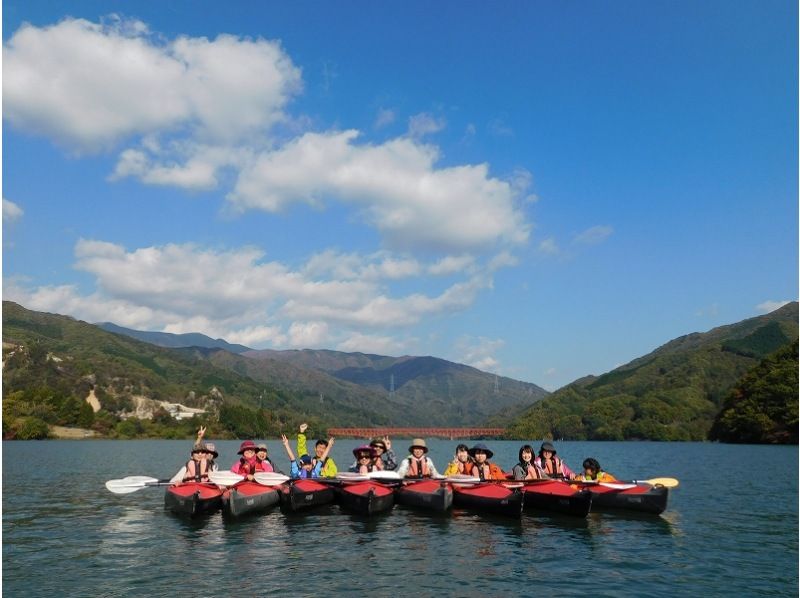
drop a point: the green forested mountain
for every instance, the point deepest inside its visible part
(763, 407)
(52, 362)
(427, 390)
(674, 393)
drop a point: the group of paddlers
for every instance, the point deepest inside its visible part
(379, 456)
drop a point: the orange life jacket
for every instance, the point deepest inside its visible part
(418, 468)
(489, 471)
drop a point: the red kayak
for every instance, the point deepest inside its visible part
(248, 497)
(557, 496)
(304, 494)
(366, 498)
(489, 498)
(427, 494)
(628, 496)
(193, 498)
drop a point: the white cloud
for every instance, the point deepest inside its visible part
(379, 345)
(423, 124)
(593, 235)
(410, 201)
(549, 246)
(385, 117)
(770, 306)
(90, 86)
(478, 352)
(451, 264)
(308, 334)
(498, 128)
(11, 211)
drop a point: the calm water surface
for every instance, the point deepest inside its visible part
(64, 534)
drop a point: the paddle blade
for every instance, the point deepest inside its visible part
(225, 478)
(270, 479)
(348, 476)
(385, 475)
(462, 479)
(666, 482)
(130, 484)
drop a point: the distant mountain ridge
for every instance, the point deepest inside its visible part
(166, 339)
(673, 393)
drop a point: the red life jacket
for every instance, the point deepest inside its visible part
(200, 471)
(418, 468)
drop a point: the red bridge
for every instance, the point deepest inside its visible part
(450, 433)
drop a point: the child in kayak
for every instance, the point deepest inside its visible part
(197, 468)
(365, 460)
(592, 472)
(460, 462)
(200, 451)
(417, 465)
(527, 469)
(305, 467)
(329, 469)
(482, 468)
(552, 466)
(248, 464)
(384, 452)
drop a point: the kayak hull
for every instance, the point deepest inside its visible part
(192, 499)
(249, 497)
(489, 498)
(644, 498)
(429, 495)
(365, 498)
(299, 495)
(557, 497)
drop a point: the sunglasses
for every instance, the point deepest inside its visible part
(365, 456)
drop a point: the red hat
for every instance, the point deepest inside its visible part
(247, 445)
(364, 448)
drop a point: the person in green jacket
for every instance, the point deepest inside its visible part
(329, 469)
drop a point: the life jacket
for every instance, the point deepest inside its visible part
(265, 464)
(304, 474)
(530, 469)
(418, 468)
(552, 467)
(480, 471)
(370, 468)
(377, 464)
(247, 468)
(201, 470)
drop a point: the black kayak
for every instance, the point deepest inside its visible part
(489, 498)
(431, 495)
(628, 496)
(556, 496)
(193, 498)
(305, 494)
(365, 498)
(249, 497)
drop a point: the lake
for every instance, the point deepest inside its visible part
(730, 528)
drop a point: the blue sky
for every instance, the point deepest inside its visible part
(544, 190)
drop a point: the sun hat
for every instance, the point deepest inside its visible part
(547, 446)
(210, 448)
(364, 448)
(418, 443)
(262, 447)
(481, 447)
(247, 445)
(377, 442)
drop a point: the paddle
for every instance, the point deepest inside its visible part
(134, 483)
(225, 478)
(666, 482)
(266, 478)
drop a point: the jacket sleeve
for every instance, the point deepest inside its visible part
(518, 472)
(302, 445)
(403, 469)
(330, 470)
(295, 470)
(391, 460)
(432, 468)
(235, 467)
(452, 469)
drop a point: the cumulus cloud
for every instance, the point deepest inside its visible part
(379, 345)
(423, 124)
(385, 117)
(770, 306)
(549, 246)
(11, 211)
(238, 295)
(479, 352)
(594, 235)
(395, 183)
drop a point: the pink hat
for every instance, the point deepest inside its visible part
(364, 448)
(247, 445)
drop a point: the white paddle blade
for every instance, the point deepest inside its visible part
(129, 484)
(666, 482)
(462, 479)
(385, 475)
(270, 479)
(616, 486)
(349, 476)
(225, 478)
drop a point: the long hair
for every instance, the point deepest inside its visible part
(526, 447)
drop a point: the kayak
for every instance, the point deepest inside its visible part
(193, 498)
(365, 498)
(304, 494)
(248, 497)
(640, 497)
(489, 498)
(557, 496)
(428, 494)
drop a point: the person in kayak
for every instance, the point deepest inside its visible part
(365, 460)
(329, 469)
(481, 467)
(200, 451)
(248, 464)
(305, 467)
(552, 466)
(527, 469)
(417, 465)
(460, 462)
(592, 472)
(196, 468)
(262, 456)
(384, 452)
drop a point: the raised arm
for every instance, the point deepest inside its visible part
(287, 447)
(302, 446)
(327, 449)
